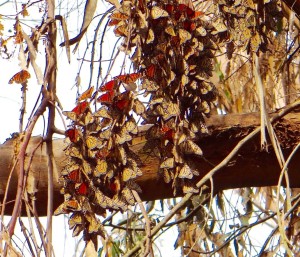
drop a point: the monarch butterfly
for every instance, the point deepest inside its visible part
(150, 71)
(89, 118)
(167, 176)
(181, 138)
(86, 94)
(157, 13)
(72, 205)
(75, 219)
(170, 30)
(219, 26)
(129, 78)
(201, 31)
(138, 107)
(74, 152)
(185, 172)
(128, 174)
(77, 230)
(81, 188)
(122, 104)
(170, 110)
(105, 134)
(121, 31)
(169, 8)
(189, 147)
(74, 176)
(20, 77)
(150, 36)
(103, 112)
(169, 135)
(134, 186)
(255, 42)
(86, 167)
(61, 209)
(149, 86)
(94, 225)
(189, 26)
(71, 115)
(205, 107)
(109, 86)
(118, 203)
(91, 142)
(167, 163)
(114, 186)
(113, 22)
(69, 167)
(188, 188)
(131, 126)
(187, 11)
(101, 168)
(175, 41)
(106, 98)
(72, 134)
(102, 153)
(122, 138)
(80, 108)
(122, 155)
(184, 35)
(19, 37)
(116, 18)
(126, 192)
(184, 80)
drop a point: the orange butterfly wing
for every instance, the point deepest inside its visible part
(106, 98)
(81, 189)
(74, 176)
(150, 71)
(109, 86)
(86, 94)
(80, 108)
(20, 77)
(129, 78)
(72, 134)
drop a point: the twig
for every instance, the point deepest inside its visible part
(297, 198)
(101, 44)
(23, 229)
(281, 220)
(148, 226)
(21, 158)
(23, 107)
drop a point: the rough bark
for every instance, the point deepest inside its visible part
(250, 167)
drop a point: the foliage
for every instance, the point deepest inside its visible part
(176, 50)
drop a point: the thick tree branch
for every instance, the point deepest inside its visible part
(250, 167)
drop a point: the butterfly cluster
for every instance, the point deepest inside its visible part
(173, 48)
(247, 23)
(101, 171)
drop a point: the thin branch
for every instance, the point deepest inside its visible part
(148, 226)
(21, 158)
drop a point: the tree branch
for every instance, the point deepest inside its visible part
(250, 167)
